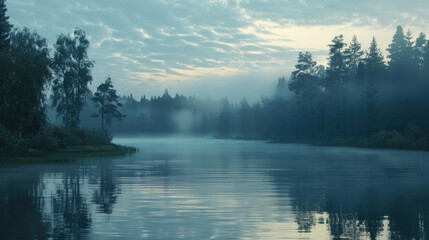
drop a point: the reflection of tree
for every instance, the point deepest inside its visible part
(305, 220)
(70, 210)
(31, 208)
(107, 193)
(355, 205)
(21, 209)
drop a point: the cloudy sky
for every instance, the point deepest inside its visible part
(213, 48)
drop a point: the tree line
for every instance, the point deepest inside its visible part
(359, 96)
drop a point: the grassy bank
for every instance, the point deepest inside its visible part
(54, 142)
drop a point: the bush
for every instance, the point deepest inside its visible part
(412, 138)
(47, 139)
(413, 132)
(93, 137)
(52, 138)
(9, 143)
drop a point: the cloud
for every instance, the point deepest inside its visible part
(146, 46)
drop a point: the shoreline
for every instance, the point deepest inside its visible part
(34, 155)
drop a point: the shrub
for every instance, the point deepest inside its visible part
(9, 143)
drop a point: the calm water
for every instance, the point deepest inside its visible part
(186, 188)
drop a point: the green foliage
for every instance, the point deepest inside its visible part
(413, 132)
(402, 64)
(305, 82)
(412, 138)
(5, 26)
(52, 138)
(106, 100)
(28, 76)
(72, 74)
(353, 55)
(374, 63)
(9, 143)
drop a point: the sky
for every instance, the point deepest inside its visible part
(212, 48)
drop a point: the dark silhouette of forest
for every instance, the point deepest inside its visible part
(360, 98)
(28, 72)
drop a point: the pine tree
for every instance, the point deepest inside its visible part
(5, 26)
(396, 48)
(337, 65)
(353, 55)
(336, 77)
(5, 60)
(425, 63)
(106, 100)
(304, 80)
(371, 98)
(374, 63)
(402, 63)
(419, 49)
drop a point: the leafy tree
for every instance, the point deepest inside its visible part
(106, 100)
(72, 73)
(29, 77)
(5, 26)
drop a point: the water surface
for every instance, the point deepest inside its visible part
(190, 188)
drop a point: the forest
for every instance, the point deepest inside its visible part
(30, 74)
(361, 98)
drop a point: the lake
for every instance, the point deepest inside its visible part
(196, 188)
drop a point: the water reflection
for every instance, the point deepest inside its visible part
(220, 189)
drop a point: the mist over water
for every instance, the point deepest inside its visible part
(201, 188)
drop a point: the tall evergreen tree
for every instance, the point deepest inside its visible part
(304, 80)
(419, 51)
(353, 56)
(72, 71)
(374, 63)
(336, 77)
(106, 100)
(337, 64)
(401, 64)
(5, 60)
(425, 63)
(397, 47)
(5, 26)
(371, 99)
